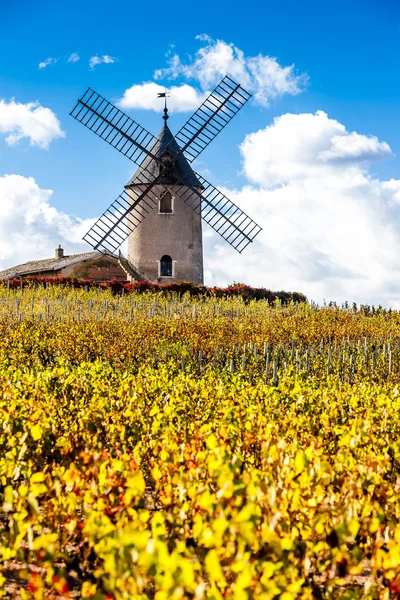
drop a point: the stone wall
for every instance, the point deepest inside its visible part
(99, 268)
(177, 234)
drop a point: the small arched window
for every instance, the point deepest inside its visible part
(166, 266)
(166, 203)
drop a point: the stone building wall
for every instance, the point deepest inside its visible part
(99, 268)
(103, 268)
(177, 234)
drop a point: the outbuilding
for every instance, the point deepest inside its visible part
(87, 265)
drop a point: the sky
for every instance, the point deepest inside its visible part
(313, 157)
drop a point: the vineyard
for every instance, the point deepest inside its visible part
(161, 445)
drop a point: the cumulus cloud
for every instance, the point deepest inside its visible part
(73, 58)
(298, 146)
(30, 120)
(182, 98)
(98, 60)
(47, 62)
(30, 227)
(261, 75)
(330, 229)
(355, 146)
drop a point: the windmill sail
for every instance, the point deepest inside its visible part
(122, 217)
(211, 117)
(227, 219)
(113, 126)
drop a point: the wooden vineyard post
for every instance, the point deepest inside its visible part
(328, 366)
(343, 362)
(266, 367)
(214, 362)
(351, 368)
(275, 371)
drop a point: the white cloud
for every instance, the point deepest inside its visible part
(30, 120)
(30, 227)
(300, 146)
(182, 98)
(355, 146)
(261, 75)
(47, 62)
(204, 37)
(98, 60)
(330, 229)
(73, 58)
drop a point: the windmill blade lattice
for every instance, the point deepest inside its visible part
(211, 117)
(122, 217)
(114, 126)
(227, 219)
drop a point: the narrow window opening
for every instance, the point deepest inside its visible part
(166, 266)
(165, 203)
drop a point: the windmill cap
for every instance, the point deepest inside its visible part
(150, 169)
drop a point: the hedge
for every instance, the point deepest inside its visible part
(180, 287)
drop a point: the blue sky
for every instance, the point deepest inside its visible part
(349, 51)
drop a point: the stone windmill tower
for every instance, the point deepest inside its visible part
(168, 245)
(161, 208)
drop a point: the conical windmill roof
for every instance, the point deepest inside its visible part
(150, 168)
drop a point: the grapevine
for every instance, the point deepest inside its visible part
(171, 446)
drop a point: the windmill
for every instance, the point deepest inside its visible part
(166, 243)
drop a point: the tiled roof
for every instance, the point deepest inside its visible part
(150, 168)
(47, 264)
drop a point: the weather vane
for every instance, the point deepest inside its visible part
(165, 94)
